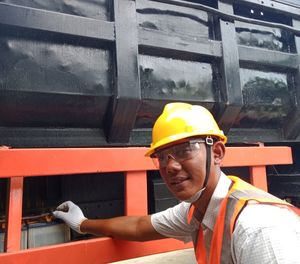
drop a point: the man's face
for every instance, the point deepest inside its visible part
(184, 177)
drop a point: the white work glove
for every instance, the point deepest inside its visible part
(71, 214)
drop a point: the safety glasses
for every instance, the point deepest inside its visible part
(180, 152)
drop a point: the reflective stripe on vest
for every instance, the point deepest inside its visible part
(240, 194)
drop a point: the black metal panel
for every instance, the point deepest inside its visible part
(101, 195)
(266, 37)
(127, 94)
(166, 79)
(3, 196)
(262, 37)
(56, 22)
(47, 81)
(41, 194)
(170, 30)
(260, 11)
(290, 2)
(267, 98)
(38, 109)
(26, 137)
(175, 61)
(268, 58)
(98, 195)
(93, 187)
(292, 125)
(157, 43)
(97, 9)
(69, 70)
(160, 198)
(250, 135)
(103, 209)
(164, 18)
(274, 6)
(284, 186)
(34, 63)
(230, 79)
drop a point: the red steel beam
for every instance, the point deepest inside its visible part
(98, 250)
(15, 163)
(257, 156)
(14, 215)
(258, 177)
(40, 162)
(136, 195)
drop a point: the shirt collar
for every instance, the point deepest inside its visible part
(219, 194)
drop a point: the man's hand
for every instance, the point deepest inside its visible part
(71, 214)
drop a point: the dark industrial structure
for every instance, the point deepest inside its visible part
(97, 73)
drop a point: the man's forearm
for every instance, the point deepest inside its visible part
(134, 228)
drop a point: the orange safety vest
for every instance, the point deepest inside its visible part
(240, 194)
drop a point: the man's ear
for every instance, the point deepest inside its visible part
(218, 150)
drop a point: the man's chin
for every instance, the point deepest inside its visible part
(182, 196)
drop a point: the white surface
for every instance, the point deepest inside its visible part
(185, 256)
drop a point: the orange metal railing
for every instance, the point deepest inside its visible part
(16, 164)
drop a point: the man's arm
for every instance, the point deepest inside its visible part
(135, 228)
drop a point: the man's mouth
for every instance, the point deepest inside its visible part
(178, 181)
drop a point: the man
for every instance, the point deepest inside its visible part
(228, 220)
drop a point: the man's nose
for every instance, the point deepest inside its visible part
(172, 164)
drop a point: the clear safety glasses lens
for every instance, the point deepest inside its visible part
(179, 153)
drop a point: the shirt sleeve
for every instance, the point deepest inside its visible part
(275, 242)
(173, 223)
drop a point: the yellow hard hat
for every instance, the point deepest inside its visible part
(182, 120)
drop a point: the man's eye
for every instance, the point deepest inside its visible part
(162, 157)
(183, 152)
